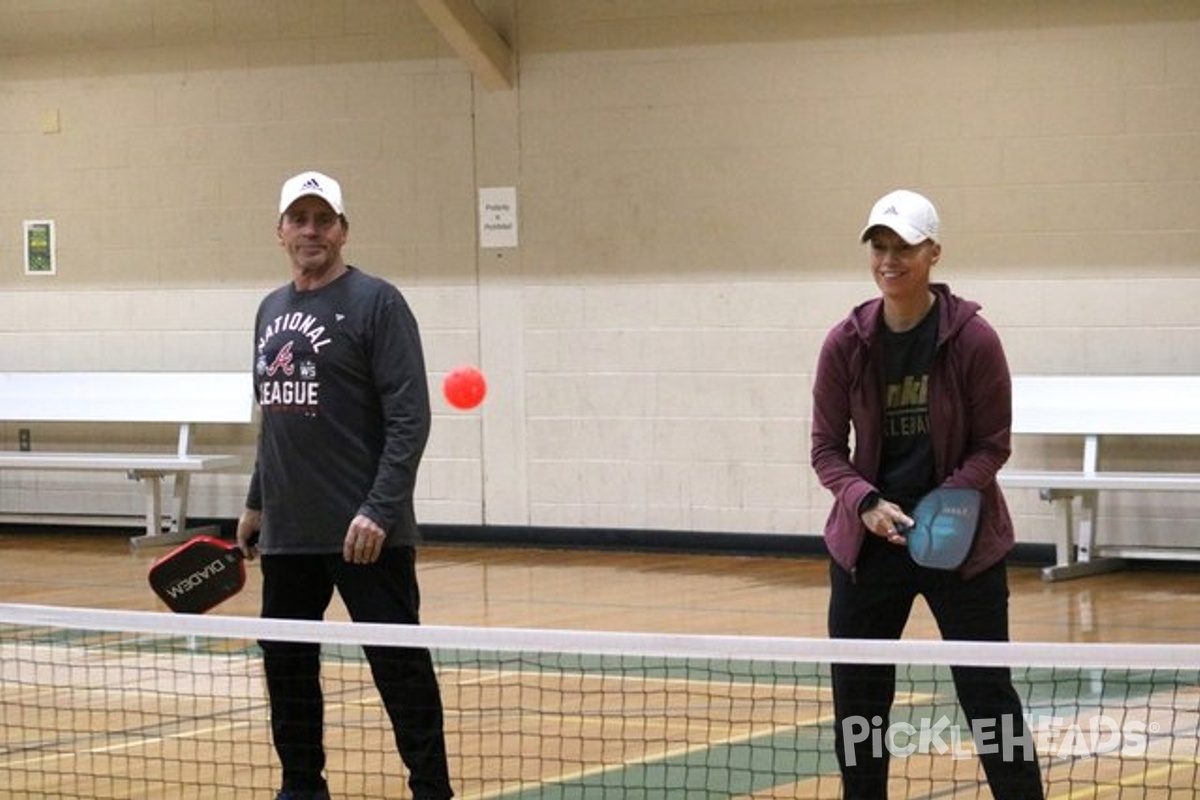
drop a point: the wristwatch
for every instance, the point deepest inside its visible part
(869, 502)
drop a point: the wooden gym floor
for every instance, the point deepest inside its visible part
(593, 590)
(613, 591)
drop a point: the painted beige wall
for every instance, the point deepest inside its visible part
(691, 176)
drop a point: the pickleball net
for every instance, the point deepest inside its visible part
(108, 704)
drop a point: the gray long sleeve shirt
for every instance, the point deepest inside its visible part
(339, 374)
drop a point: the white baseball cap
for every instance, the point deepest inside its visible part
(313, 184)
(907, 213)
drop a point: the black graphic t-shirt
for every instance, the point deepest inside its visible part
(906, 467)
(340, 379)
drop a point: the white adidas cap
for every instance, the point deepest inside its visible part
(313, 184)
(909, 214)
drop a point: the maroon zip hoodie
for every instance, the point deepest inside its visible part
(970, 415)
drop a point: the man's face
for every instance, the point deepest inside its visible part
(312, 233)
(901, 269)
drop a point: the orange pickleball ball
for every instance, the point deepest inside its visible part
(464, 387)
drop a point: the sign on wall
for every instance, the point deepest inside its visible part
(498, 217)
(39, 247)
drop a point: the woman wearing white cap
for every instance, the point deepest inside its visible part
(921, 382)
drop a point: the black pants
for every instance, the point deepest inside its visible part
(301, 587)
(875, 603)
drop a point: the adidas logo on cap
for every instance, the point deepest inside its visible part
(314, 184)
(907, 213)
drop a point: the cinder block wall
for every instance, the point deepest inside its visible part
(691, 179)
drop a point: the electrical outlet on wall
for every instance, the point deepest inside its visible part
(23, 440)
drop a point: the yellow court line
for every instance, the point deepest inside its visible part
(492, 676)
(147, 741)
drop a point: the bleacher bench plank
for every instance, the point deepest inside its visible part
(183, 399)
(1113, 481)
(1095, 407)
(109, 462)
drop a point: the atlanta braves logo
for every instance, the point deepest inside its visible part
(282, 362)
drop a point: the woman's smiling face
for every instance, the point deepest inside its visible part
(901, 269)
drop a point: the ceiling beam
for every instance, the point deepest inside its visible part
(466, 30)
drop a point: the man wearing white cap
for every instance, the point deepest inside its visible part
(339, 374)
(920, 381)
